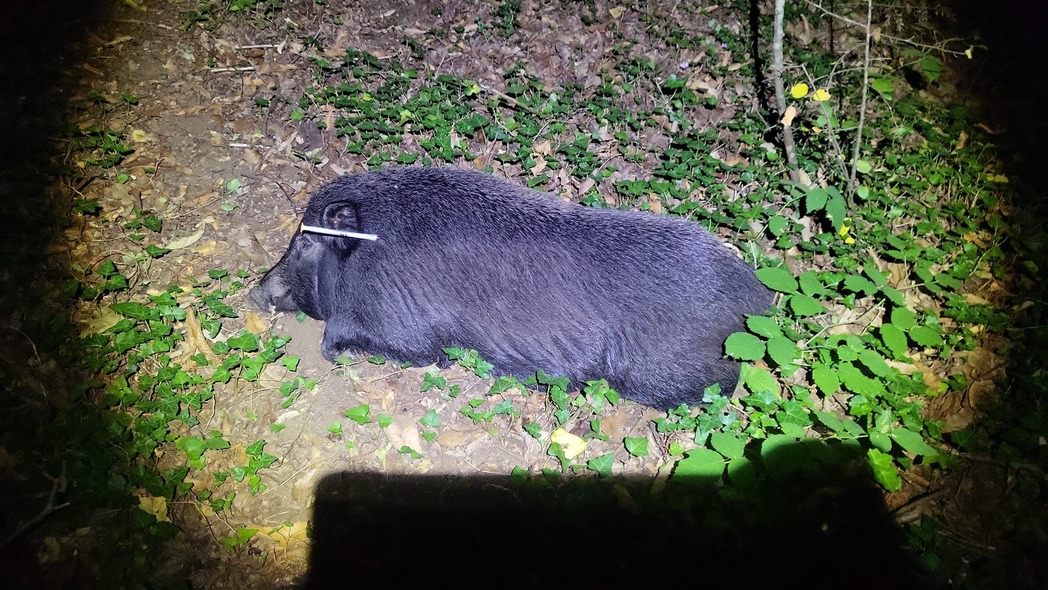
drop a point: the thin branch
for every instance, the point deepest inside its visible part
(780, 94)
(862, 105)
(50, 508)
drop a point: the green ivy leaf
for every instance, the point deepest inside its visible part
(825, 379)
(702, 463)
(132, 310)
(803, 305)
(636, 446)
(874, 362)
(727, 444)
(895, 340)
(433, 381)
(783, 351)
(759, 380)
(858, 284)
(816, 199)
(431, 419)
(744, 346)
(884, 470)
(925, 336)
(602, 464)
(360, 414)
(777, 279)
(246, 341)
(406, 450)
(763, 326)
(152, 222)
(855, 381)
(913, 442)
(106, 268)
(903, 318)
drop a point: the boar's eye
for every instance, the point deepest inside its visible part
(341, 216)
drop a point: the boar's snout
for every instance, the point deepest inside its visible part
(272, 291)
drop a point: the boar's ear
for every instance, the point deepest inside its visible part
(342, 216)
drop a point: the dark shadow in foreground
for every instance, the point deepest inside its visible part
(788, 523)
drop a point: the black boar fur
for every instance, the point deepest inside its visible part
(528, 280)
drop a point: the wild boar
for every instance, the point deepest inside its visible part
(526, 279)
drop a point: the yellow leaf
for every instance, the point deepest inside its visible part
(140, 136)
(572, 445)
(155, 506)
(968, 52)
(973, 299)
(616, 12)
(254, 323)
(998, 178)
(820, 95)
(799, 90)
(102, 320)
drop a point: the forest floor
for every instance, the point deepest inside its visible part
(218, 156)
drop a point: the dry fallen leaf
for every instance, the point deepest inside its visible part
(195, 340)
(185, 241)
(157, 506)
(540, 164)
(450, 439)
(254, 323)
(403, 433)
(103, 319)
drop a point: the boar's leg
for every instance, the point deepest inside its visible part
(665, 381)
(343, 333)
